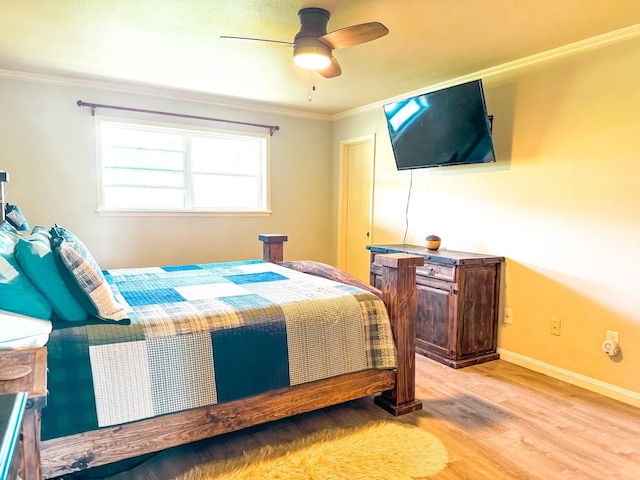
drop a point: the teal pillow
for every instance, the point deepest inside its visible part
(17, 293)
(35, 257)
(8, 231)
(82, 275)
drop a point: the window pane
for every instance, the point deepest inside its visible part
(143, 198)
(126, 176)
(131, 136)
(227, 155)
(227, 192)
(132, 157)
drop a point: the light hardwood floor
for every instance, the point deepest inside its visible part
(497, 421)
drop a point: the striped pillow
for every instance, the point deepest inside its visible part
(84, 278)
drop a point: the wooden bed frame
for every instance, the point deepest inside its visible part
(397, 387)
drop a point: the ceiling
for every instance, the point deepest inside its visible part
(176, 44)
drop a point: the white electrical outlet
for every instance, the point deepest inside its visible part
(613, 336)
(508, 315)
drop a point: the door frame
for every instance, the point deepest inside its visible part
(343, 193)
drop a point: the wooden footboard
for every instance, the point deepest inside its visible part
(107, 445)
(400, 297)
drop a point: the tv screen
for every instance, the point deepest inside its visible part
(441, 128)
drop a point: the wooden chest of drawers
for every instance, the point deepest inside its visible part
(25, 370)
(458, 302)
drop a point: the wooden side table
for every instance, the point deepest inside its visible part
(12, 406)
(458, 301)
(25, 370)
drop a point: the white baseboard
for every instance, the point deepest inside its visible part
(588, 383)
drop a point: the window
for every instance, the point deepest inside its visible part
(152, 167)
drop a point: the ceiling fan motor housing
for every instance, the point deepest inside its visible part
(313, 25)
(313, 22)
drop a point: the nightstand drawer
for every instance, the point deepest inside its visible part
(24, 370)
(437, 270)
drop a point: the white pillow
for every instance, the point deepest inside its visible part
(21, 331)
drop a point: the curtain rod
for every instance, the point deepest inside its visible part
(93, 106)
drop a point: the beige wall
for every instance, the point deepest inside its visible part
(561, 204)
(47, 146)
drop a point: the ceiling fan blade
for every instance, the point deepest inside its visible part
(256, 39)
(355, 35)
(333, 70)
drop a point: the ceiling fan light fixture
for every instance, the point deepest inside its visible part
(313, 47)
(312, 57)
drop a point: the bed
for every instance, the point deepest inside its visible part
(120, 389)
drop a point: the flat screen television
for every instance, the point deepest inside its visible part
(441, 128)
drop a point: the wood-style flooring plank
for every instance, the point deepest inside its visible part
(497, 421)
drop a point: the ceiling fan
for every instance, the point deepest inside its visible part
(313, 46)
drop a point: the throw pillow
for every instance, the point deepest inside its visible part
(17, 293)
(9, 231)
(84, 278)
(35, 257)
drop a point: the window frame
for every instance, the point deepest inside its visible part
(186, 129)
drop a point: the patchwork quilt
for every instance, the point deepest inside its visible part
(207, 334)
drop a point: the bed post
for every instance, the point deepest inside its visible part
(4, 177)
(399, 294)
(272, 247)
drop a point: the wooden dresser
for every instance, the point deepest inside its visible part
(458, 302)
(25, 370)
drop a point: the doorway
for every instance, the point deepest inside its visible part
(355, 205)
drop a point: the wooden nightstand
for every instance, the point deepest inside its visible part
(25, 370)
(458, 300)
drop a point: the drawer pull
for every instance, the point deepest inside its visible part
(14, 373)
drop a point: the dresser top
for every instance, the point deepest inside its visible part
(450, 257)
